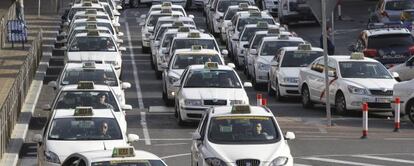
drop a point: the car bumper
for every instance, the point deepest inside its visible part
(289, 90)
(145, 43)
(375, 103)
(262, 77)
(192, 113)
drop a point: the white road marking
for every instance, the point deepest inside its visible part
(134, 68)
(339, 161)
(160, 109)
(170, 144)
(176, 155)
(385, 159)
(145, 129)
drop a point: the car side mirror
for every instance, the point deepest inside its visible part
(37, 138)
(191, 16)
(143, 16)
(65, 24)
(396, 76)
(164, 65)
(196, 136)
(119, 41)
(118, 7)
(165, 51)
(253, 51)
(235, 37)
(116, 24)
(141, 23)
(352, 48)
(201, 30)
(122, 48)
(274, 64)
(212, 9)
(224, 52)
(247, 84)
(46, 107)
(126, 85)
(231, 65)
(120, 34)
(52, 84)
(132, 138)
(290, 135)
(331, 73)
(126, 107)
(64, 48)
(152, 37)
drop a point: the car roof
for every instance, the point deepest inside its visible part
(105, 155)
(196, 52)
(347, 58)
(180, 18)
(254, 111)
(202, 36)
(97, 20)
(220, 67)
(159, 12)
(386, 31)
(70, 66)
(69, 113)
(276, 38)
(101, 34)
(96, 88)
(296, 48)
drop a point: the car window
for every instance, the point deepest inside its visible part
(88, 43)
(98, 76)
(188, 43)
(212, 79)
(399, 5)
(363, 70)
(269, 48)
(130, 163)
(243, 129)
(223, 5)
(183, 61)
(253, 20)
(390, 40)
(73, 99)
(299, 58)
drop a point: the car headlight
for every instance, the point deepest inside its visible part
(114, 63)
(356, 90)
(215, 162)
(291, 79)
(279, 161)
(263, 66)
(173, 79)
(232, 102)
(191, 102)
(52, 157)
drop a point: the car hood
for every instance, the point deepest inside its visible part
(231, 153)
(215, 93)
(290, 71)
(372, 83)
(65, 148)
(93, 56)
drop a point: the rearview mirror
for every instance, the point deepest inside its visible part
(196, 136)
(247, 84)
(122, 48)
(52, 84)
(290, 135)
(126, 107)
(46, 107)
(126, 85)
(37, 138)
(132, 138)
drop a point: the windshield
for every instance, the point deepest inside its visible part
(98, 76)
(230, 14)
(270, 48)
(399, 5)
(167, 39)
(223, 5)
(299, 58)
(104, 17)
(129, 163)
(99, 24)
(74, 10)
(363, 70)
(243, 129)
(391, 40)
(152, 20)
(253, 20)
(188, 43)
(256, 40)
(212, 79)
(86, 128)
(182, 61)
(94, 99)
(248, 33)
(88, 43)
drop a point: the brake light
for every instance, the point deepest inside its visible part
(370, 52)
(411, 49)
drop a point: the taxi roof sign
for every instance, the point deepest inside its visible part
(85, 85)
(88, 65)
(183, 29)
(194, 35)
(243, 5)
(262, 24)
(92, 33)
(91, 26)
(166, 4)
(91, 18)
(178, 24)
(87, 3)
(83, 111)
(91, 11)
(357, 55)
(283, 36)
(240, 109)
(305, 47)
(273, 30)
(254, 13)
(166, 10)
(196, 47)
(123, 152)
(211, 65)
(176, 15)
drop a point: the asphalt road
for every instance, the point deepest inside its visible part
(315, 143)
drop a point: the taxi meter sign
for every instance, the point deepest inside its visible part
(91, 26)
(240, 109)
(85, 85)
(166, 10)
(178, 24)
(304, 47)
(196, 47)
(91, 18)
(93, 33)
(83, 111)
(166, 4)
(357, 55)
(254, 13)
(273, 31)
(123, 152)
(88, 65)
(243, 5)
(194, 35)
(211, 65)
(91, 11)
(262, 24)
(184, 29)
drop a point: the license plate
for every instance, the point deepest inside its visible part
(383, 100)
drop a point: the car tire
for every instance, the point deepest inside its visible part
(168, 102)
(270, 91)
(180, 121)
(306, 101)
(410, 110)
(278, 97)
(158, 74)
(340, 103)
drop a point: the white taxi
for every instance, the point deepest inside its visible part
(100, 74)
(353, 80)
(169, 5)
(405, 91)
(147, 27)
(240, 135)
(79, 129)
(181, 59)
(204, 86)
(268, 46)
(405, 70)
(99, 97)
(114, 157)
(228, 15)
(97, 47)
(285, 67)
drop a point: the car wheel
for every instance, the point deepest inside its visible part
(168, 102)
(306, 101)
(340, 103)
(410, 110)
(158, 74)
(278, 97)
(270, 91)
(180, 121)
(134, 3)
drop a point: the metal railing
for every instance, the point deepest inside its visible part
(13, 103)
(11, 15)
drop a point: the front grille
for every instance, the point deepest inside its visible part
(194, 115)
(248, 162)
(212, 102)
(379, 105)
(292, 91)
(381, 93)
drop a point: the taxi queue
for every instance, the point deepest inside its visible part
(89, 108)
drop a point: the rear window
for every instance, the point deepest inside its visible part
(391, 40)
(399, 5)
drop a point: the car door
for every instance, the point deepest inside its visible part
(406, 71)
(315, 79)
(198, 148)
